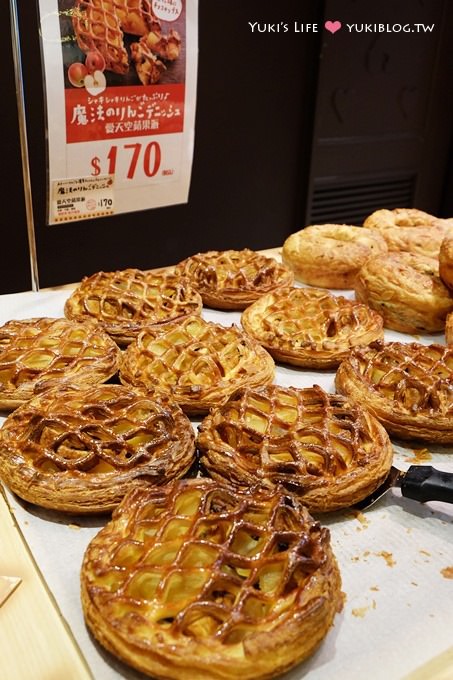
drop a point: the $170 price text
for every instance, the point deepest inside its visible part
(133, 158)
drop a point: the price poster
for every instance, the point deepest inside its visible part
(120, 89)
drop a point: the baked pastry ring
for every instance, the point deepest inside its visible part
(310, 327)
(197, 580)
(124, 302)
(80, 450)
(446, 260)
(233, 279)
(449, 329)
(198, 362)
(406, 290)
(318, 446)
(409, 230)
(330, 255)
(407, 386)
(39, 353)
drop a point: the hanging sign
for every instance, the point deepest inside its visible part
(120, 86)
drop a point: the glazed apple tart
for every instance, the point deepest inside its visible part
(80, 450)
(197, 580)
(407, 386)
(318, 446)
(39, 353)
(199, 363)
(233, 279)
(125, 301)
(310, 327)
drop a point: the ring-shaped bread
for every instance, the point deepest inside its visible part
(199, 363)
(310, 327)
(446, 260)
(327, 451)
(409, 230)
(80, 450)
(197, 580)
(42, 352)
(123, 302)
(407, 386)
(330, 255)
(406, 290)
(233, 279)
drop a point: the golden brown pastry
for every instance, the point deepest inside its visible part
(80, 450)
(233, 279)
(39, 353)
(330, 255)
(446, 260)
(407, 386)
(199, 363)
(318, 446)
(409, 230)
(99, 25)
(449, 329)
(124, 302)
(310, 327)
(406, 290)
(196, 580)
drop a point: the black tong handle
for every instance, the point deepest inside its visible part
(425, 483)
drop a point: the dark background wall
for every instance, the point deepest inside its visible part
(291, 128)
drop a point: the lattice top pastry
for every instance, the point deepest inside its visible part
(80, 450)
(125, 301)
(195, 580)
(310, 327)
(319, 446)
(233, 279)
(198, 362)
(407, 386)
(39, 353)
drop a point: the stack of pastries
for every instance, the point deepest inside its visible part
(211, 564)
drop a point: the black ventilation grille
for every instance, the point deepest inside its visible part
(351, 202)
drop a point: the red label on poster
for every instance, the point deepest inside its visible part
(124, 112)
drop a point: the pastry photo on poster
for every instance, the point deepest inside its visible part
(120, 84)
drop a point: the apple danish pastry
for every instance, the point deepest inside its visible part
(233, 279)
(125, 301)
(449, 329)
(80, 450)
(310, 327)
(318, 446)
(407, 386)
(197, 580)
(198, 362)
(39, 353)
(330, 255)
(406, 290)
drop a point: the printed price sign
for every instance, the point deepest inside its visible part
(120, 104)
(81, 199)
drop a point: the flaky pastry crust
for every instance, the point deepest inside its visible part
(198, 362)
(79, 450)
(409, 230)
(446, 260)
(318, 446)
(407, 386)
(330, 255)
(233, 279)
(310, 327)
(196, 580)
(123, 302)
(449, 329)
(406, 290)
(39, 353)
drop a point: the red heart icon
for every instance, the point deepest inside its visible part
(332, 26)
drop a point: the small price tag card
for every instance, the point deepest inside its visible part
(82, 198)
